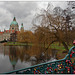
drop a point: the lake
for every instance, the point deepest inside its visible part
(18, 57)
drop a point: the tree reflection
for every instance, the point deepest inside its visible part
(32, 54)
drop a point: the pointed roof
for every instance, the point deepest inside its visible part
(14, 21)
(21, 25)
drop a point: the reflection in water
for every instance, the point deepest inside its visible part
(13, 56)
(17, 52)
(23, 56)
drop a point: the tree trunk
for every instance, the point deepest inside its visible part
(65, 45)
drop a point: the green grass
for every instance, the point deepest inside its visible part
(60, 49)
(17, 44)
(53, 46)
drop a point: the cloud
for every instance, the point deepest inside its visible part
(23, 11)
(5, 17)
(62, 4)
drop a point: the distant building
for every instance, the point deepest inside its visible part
(22, 28)
(11, 34)
(14, 25)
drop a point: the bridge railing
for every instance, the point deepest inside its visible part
(65, 66)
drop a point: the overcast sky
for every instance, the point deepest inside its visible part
(23, 11)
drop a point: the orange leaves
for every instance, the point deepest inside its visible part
(25, 36)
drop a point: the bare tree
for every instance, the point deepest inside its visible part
(56, 25)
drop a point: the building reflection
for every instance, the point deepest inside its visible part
(32, 54)
(13, 56)
(18, 52)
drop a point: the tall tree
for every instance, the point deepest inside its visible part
(56, 24)
(25, 36)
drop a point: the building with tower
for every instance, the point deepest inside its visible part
(22, 28)
(11, 34)
(14, 25)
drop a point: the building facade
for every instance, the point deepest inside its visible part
(11, 34)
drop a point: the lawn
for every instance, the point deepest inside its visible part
(61, 53)
(16, 44)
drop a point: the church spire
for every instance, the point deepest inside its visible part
(22, 25)
(14, 19)
(22, 28)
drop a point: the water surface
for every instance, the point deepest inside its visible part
(17, 57)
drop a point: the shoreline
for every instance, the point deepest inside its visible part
(16, 44)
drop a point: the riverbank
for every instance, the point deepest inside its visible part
(16, 44)
(61, 51)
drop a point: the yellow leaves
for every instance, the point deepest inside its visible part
(26, 36)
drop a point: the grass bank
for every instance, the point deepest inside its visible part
(61, 53)
(16, 44)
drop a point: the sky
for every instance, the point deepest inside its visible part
(23, 11)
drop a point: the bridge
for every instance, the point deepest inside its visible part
(62, 66)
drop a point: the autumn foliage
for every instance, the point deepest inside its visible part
(25, 37)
